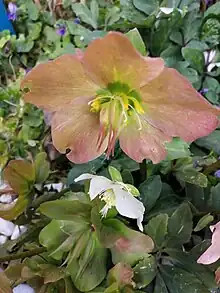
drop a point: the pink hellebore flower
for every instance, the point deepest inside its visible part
(111, 92)
(212, 254)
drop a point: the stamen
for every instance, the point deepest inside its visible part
(137, 116)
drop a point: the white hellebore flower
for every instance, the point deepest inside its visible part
(115, 194)
(23, 288)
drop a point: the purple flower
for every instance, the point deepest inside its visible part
(217, 173)
(12, 11)
(76, 20)
(61, 29)
(203, 91)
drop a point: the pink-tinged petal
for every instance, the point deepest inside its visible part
(217, 275)
(56, 83)
(176, 108)
(77, 129)
(212, 254)
(144, 143)
(114, 58)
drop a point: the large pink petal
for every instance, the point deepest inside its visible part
(114, 58)
(56, 83)
(176, 108)
(77, 129)
(147, 143)
(211, 255)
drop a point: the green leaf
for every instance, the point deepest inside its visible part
(65, 209)
(52, 237)
(213, 202)
(137, 41)
(191, 26)
(210, 31)
(51, 36)
(203, 222)
(190, 73)
(42, 167)
(185, 282)
(112, 16)
(150, 191)
(188, 261)
(210, 142)
(86, 15)
(33, 11)
(34, 30)
(176, 149)
(195, 58)
(115, 174)
(157, 229)
(214, 89)
(121, 274)
(89, 269)
(90, 167)
(192, 176)
(160, 286)
(23, 45)
(145, 271)
(213, 10)
(20, 175)
(147, 7)
(94, 7)
(130, 13)
(180, 226)
(126, 245)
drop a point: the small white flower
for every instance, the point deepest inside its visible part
(167, 10)
(23, 288)
(55, 186)
(6, 227)
(209, 57)
(5, 198)
(115, 194)
(18, 231)
(3, 239)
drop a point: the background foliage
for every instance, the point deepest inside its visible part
(60, 252)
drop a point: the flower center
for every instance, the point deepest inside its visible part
(110, 201)
(115, 105)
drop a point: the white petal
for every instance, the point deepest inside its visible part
(6, 198)
(6, 227)
(127, 205)
(166, 10)
(210, 67)
(18, 231)
(23, 288)
(3, 239)
(211, 55)
(99, 184)
(206, 57)
(55, 186)
(84, 177)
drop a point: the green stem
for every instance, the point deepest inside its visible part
(143, 171)
(21, 255)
